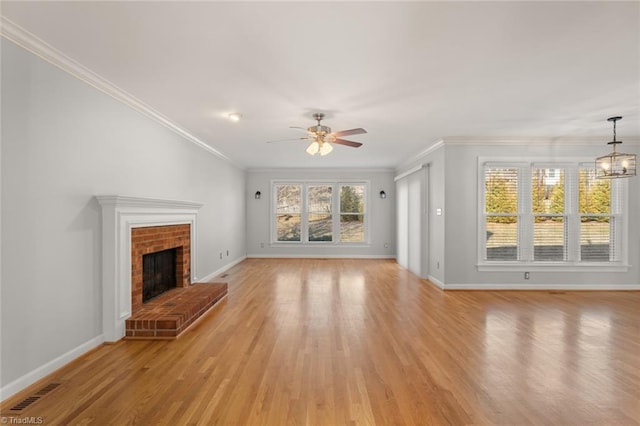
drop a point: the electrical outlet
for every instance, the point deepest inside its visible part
(526, 275)
(437, 265)
(261, 245)
(386, 245)
(227, 253)
(220, 255)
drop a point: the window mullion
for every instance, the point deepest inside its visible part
(335, 212)
(304, 213)
(572, 212)
(525, 216)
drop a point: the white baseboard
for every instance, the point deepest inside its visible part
(558, 287)
(33, 376)
(436, 281)
(320, 256)
(221, 270)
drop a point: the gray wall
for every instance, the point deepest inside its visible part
(434, 232)
(381, 214)
(64, 142)
(452, 170)
(461, 181)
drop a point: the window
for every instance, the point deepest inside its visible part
(288, 200)
(597, 224)
(501, 213)
(352, 213)
(319, 212)
(549, 214)
(331, 212)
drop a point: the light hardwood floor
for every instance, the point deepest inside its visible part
(345, 342)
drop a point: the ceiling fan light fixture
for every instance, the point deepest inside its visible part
(325, 148)
(322, 138)
(615, 164)
(313, 148)
(234, 116)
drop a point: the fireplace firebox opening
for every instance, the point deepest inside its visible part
(159, 273)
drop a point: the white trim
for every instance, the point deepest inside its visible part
(154, 203)
(431, 148)
(304, 184)
(33, 376)
(50, 54)
(514, 141)
(536, 140)
(328, 170)
(514, 161)
(543, 287)
(319, 256)
(549, 267)
(571, 166)
(408, 172)
(215, 273)
(436, 282)
(316, 244)
(119, 215)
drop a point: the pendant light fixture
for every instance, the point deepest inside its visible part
(616, 164)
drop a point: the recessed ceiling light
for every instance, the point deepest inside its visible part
(234, 116)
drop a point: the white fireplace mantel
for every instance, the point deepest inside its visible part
(119, 215)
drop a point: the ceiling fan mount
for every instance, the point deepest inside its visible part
(322, 137)
(319, 129)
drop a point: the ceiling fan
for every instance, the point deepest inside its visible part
(322, 138)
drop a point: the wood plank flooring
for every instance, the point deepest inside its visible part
(359, 342)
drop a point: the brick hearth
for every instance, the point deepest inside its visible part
(171, 313)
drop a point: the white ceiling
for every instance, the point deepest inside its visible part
(411, 73)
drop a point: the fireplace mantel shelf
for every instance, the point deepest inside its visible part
(128, 201)
(121, 213)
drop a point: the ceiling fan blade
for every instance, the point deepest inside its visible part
(287, 140)
(347, 143)
(350, 132)
(298, 127)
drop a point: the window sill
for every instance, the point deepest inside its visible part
(316, 244)
(552, 267)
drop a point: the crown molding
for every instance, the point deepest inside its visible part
(331, 170)
(509, 141)
(30, 42)
(419, 156)
(518, 141)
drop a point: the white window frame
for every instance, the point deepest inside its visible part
(335, 213)
(571, 166)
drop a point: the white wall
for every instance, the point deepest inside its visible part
(64, 142)
(381, 213)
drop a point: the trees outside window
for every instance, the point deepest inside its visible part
(551, 213)
(327, 215)
(352, 213)
(319, 212)
(287, 214)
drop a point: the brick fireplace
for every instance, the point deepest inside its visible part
(129, 225)
(155, 239)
